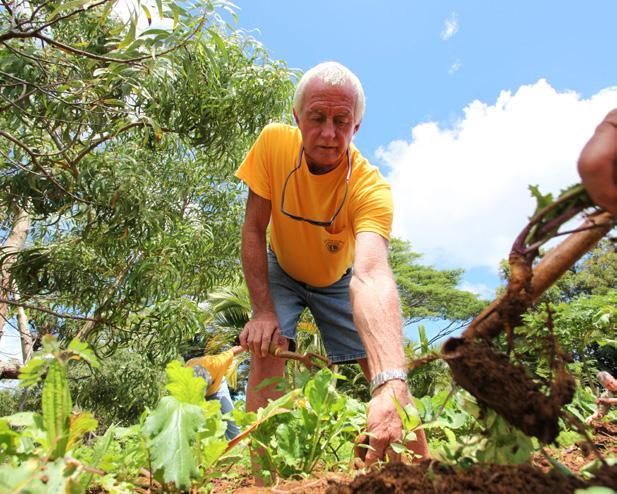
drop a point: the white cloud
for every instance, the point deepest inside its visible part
(10, 345)
(481, 289)
(455, 67)
(125, 9)
(460, 193)
(450, 27)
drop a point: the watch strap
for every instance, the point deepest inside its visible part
(384, 377)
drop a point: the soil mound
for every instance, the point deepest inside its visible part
(431, 478)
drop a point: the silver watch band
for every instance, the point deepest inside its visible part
(384, 377)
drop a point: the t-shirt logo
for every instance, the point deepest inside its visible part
(333, 246)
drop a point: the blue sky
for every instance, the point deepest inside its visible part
(467, 104)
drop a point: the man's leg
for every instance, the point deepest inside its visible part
(264, 368)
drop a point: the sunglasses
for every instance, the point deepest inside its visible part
(315, 222)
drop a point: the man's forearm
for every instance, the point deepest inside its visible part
(376, 312)
(255, 268)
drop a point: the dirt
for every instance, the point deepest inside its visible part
(433, 478)
(506, 388)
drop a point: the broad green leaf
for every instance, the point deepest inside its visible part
(171, 430)
(289, 444)
(212, 449)
(183, 385)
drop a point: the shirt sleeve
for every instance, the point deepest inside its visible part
(254, 170)
(373, 207)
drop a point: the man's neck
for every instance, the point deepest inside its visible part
(317, 169)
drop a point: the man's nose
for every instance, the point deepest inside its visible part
(328, 130)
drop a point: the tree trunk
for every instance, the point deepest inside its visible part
(14, 243)
(25, 336)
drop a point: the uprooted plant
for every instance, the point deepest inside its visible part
(489, 375)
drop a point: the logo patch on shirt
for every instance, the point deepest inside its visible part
(333, 246)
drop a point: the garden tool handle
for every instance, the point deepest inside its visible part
(306, 358)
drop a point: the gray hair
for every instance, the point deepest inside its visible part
(333, 74)
(604, 376)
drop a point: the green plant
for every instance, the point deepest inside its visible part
(315, 425)
(34, 447)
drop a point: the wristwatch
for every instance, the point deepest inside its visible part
(384, 377)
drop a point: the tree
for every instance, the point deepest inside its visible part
(121, 145)
(429, 293)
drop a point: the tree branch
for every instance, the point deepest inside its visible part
(103, 58)
(41, 167)
(49, 311)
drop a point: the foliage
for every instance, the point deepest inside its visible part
(121, 143)
(482, 436)
(179, 440)
(318, 427)
(119, 391)
(578, 326)
(429, 293)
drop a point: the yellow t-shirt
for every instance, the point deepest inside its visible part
(216, 365)
(312, 254)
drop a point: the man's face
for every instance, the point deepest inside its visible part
(327, 123)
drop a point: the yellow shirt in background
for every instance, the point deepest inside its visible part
(313, 254)
(216, 365)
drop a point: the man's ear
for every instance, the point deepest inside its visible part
(296, 117)
(356, 127)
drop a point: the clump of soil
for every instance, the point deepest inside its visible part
(430, 478)
(506, 388)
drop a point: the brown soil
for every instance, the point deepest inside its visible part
(429, 478)
(506, 388)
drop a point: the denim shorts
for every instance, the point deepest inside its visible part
(330, 306)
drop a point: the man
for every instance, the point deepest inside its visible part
(212, 369)
(597, 164)
(328, 210)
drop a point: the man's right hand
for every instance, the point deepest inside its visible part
(259, 332)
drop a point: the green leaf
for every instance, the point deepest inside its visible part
(541, 200)
(147, 12)
(35, 477)
(80, 424)
(289, 443)
(212, 449)
(81, 350)
(72, 5)
(57, 406)
(172, 430)
(595, 490)
(31, 373)
(183, 385)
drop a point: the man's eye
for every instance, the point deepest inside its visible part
(341, 122)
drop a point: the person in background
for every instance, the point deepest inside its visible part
(212, 368)
(607, 399)
(597, 164)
